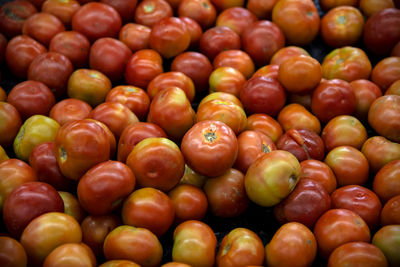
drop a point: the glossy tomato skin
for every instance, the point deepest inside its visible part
(64, 10)
(357, 253)
(71, 254)
(202, 11)
(208, 142)
(20, 52)
(12, 253)
(237, 59)
(265, 124)
(296, 116)
(384, 116)
(263, 95)
(359, 199)
(135, 36)
(240, 247)
(53, 69)
(237, 18)
(120, 263)
(338, 226)
(42, 27)
(13, 15)
(90, 15)
(123, 7)
(302, 143)
(194, 244)
(386, 72)
(390, 213)
(72, 206)
(79, 145)
(149, 12)
(109, 56)
(332, 98)
(226, 80)
(103, 187)
(31, 98)
(386, 239)
(386, 181)
(220, 96)
(379, 151)
(261, 40)
(142, 67)
(135, 244)
(10, 124)
(381, 32)
(320, 172)
(27, 202)
(308, 201)
(70, 109)
(218, 39)
(366, 92)
(292, 245)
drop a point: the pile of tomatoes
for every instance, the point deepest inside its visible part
(200, 133)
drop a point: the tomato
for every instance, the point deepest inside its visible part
(225, 111)
(62, 9)
(333, 98)
(96, 228)
(381, 33)
(387, 240)
(341, 26)
(10, 123)
(70, 109)
(359, 199)
(120, 263)
(265, 124)
(287, 52)
(71, 254)
(300, 74)
(347, 63)
(240, 247)
(220, 96)
(171, 110)
(386, 72)
(72, 206)
(89, 17)
(135, 244)
(384, 116)
(53, 69)
(135, 36)
(194, 244)
(190, 202)
(149, 12)
(13, 15)
(261, 8)
(357, 253)
(20, 52)
(217, 39)
(88, 85)
(320, 172)
(109, 56)
(35, 130)
(349, 165)
(386, 181)
(303, 144)
(261, 40)
(337, 227)
(175, 264)
(394, 89)
(46, 232)
(366, 92)
(13, 173)
(12, 253)
(299, 20)
(79, 145)
(263, 95)
(202, 11)
(42, 27)
(296, 116)
(390, 213)
(171, 79)
(344, 130)
(237, 18)
(195, 31)
(270, 71)
(207, 143)
(379, 151)
(329, 4)
(292, 245)
(196, 66)
(308, 201)
(192, 178)
(237, 59)
(226, 80)
(142, 67)
(124, 8)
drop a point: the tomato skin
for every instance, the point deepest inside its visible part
(329, 4)
(386, 181)
(320, 172)
(79, 145)
(220, 96)
(265, 124)
(194, 244)
(71, 254)
(156, 162)
(357, 253)
(12, 253)
(386, 72)
(10, 123)
(136, 244)
(13, 15)
(103, 187)
(120, 263)
(217, 39)
(237, 59)
(348, 223)
(208, 142)
(135, 36)
(292, 245)
(20, 52)
(64, 10)
(109, 56)
(42, 27)
(123, 7)
(86, 19)
(387, 240)
(72, 206)
(226, 80)
(296, 116)
(366, 92)
(149, 12)
(202, 11)
(390, 213)
(237, 18)
(240, 247)
(70, 109)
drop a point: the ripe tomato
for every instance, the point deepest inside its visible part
(195, 31)
(217, 39)
(70, 109)
(135, 36)
(287, 52)
(13, 15)
(296, 116)
(202, 11)
(237, 59)
(386, 72)
(390, 213)
(366, 92)
(386, 181)
(319, 171)
(226, 80)
(386, 239)
(10, 124)
(237, 18)
(265, 124)
(125, 8)
(379, 151)
(12, 253)
(72, 255)
(149, 12)
(64, 10)
(72, 206)
(42, 27)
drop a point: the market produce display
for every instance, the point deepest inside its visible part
(199, 133)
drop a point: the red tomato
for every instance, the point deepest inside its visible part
(71, 255)
(149, 12)
(217, 39)
(10, 124)
(261, 8)
(270, 71)
(237, 59)
(11, 252)
(379, 151)
(237, 18)
(265, 124)
(390, 213)
(148, 208)
(320, 172)
(287, 52)
(90, 15)
(296, 116)
(386, 239)
(62, 9)
(329, 4)
(337, 227)
(195, 31)
(386, 72)
(70, 109)
(125, 8)
(366, 92)
(135, 36)
(207, 143)
(386, 181)
(72, 206)
(226, 80)
(42, 27)
(13, 15)
(123, 263)
(109, 56)
(202, 11)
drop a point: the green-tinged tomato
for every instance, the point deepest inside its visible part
(387, 239)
